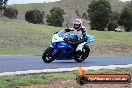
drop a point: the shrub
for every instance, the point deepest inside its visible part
(77, 13)
(85, 16)
(34, 16)
(56, 17)
(10, 12)
(126, 18)
(112, 25)
(115, 16)
(99, 14)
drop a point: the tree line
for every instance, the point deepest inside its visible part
(99, 13)
(101, 16)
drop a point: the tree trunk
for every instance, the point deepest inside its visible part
(1, 12)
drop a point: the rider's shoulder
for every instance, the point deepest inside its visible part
(83, 27)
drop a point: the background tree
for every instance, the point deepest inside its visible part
(10, 12)
(115, 16)
(113, 21)
(99, 14)
(34, 16)
(2, 5)
(85, 16)
(126, 18)
(112, 25)
(56, 17)
(77, 13)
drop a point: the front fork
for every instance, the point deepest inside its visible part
(56, 52)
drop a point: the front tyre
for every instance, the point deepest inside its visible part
(47, 55)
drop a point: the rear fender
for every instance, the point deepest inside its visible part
(86, 46)
(80, 46)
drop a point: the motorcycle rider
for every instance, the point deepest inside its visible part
(80, 32)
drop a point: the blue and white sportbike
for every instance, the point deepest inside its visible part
(63, 50)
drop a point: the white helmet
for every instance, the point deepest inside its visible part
(77, 24)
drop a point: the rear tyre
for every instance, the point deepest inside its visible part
(82, 55)
(47, 55)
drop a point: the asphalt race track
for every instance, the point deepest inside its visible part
(23, 63)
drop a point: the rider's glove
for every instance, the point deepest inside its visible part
(65, 39)
(67, 30)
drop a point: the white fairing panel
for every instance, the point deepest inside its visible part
(56, 38)
(80, 47)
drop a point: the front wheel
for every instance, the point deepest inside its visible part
(47, 55)
(82, 55)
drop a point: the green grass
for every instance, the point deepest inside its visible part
(100, 71)
(27, 80)
(24, 38)
(112, 43)
(21, 38)
(26, 7)
(14, 81)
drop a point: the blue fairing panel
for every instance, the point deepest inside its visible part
(90, 38)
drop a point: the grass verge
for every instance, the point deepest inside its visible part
(21, 38)
(65, 79)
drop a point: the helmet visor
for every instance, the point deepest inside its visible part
(76, 26)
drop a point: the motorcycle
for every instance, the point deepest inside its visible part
(63, 50)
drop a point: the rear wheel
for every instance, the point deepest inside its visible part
(82, 55)
(47, 55)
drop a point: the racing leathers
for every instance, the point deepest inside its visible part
(80, 34)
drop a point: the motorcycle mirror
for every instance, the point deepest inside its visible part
(55, 32)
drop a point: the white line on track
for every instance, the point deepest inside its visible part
(63, 70)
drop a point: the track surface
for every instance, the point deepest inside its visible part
(23, 63)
